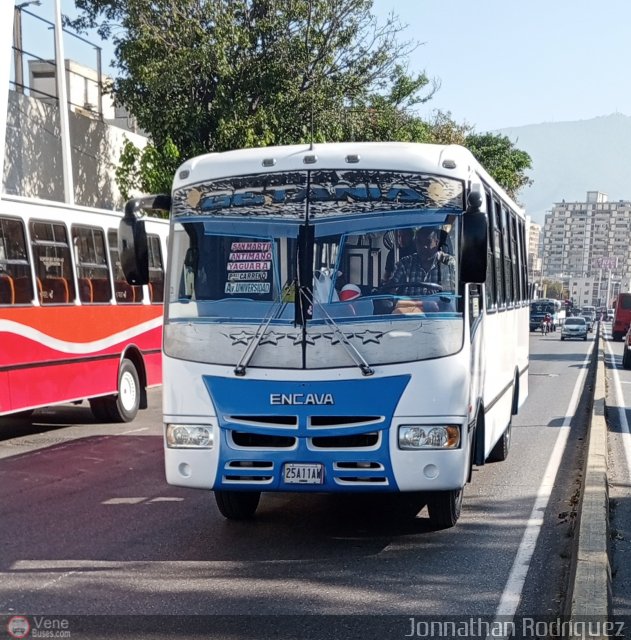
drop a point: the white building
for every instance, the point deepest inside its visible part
(86, 96)
(587, 243)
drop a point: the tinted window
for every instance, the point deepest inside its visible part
(53, 262)
(92, 272)
(16, 284)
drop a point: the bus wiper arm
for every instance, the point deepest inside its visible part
(261, 330)
(352, 351)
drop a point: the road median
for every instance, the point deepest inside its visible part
(591, 591)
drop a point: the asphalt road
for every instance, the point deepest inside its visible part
(88, 527)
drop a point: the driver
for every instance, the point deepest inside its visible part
(430, 263)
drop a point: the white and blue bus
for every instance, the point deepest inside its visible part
(294, 362)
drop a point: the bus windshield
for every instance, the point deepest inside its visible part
(547, 306)
(364, 279)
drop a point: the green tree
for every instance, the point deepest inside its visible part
(222, 74)
(149, 170)
(553, 289)
(212, 75)
(502, 160)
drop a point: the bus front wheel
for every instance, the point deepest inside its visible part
(237, 505)
(444, 508)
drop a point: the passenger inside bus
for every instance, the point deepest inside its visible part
(404, 241)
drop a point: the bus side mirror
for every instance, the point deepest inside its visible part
(132, 249)
(132, 237)
(473, 257)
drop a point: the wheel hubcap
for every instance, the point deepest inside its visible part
(127, 391)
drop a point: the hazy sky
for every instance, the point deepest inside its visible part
(506, 63)
(501, 63)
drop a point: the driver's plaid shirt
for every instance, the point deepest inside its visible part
(411, 269)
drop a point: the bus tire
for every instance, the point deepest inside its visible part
(123, 406)
(23, 415)
(499, 452)
(444, 508)
(99, 409)
(626, 359)
(237, 505)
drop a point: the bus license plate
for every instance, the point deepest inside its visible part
(302, 473)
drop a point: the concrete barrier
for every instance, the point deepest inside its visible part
(591, 591)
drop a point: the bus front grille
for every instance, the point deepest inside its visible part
(358, 473)
(368, 440)
(262, 440)
(248, 471)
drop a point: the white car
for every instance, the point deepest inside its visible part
(574, 327)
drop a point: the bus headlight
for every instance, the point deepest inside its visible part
(189, 436)
(429, 436)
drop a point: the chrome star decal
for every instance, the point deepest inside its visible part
(309, 339)
(335, 337)
(271, 338)
(239, 338)
(370, 336)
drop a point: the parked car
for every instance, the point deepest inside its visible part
(626, 354)
(574, 327)
(610, 313)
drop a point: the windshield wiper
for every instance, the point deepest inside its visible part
(352, 351)
(261, 330)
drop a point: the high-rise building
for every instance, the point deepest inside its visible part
(534, 249)
(589, 241)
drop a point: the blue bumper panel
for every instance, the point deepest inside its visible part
(342, 425)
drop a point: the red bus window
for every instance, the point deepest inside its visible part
(16, 284)
(92, 271)
(53, 262)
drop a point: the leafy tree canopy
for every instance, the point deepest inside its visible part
(212, 75)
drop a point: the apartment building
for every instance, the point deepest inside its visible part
(586, 245)
(535, 239)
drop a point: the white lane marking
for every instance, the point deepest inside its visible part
(625, 435)
(124, 433)
(124, 501)
(517, 577)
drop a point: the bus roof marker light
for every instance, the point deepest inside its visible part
(268, 162)
(352, 158)
(185, 173)
(310, 159)
(449, 164)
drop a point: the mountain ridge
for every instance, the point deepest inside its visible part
(570, 158)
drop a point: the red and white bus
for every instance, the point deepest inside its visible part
(71, 328)
(621, 316)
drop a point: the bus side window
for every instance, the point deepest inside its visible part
(91, 258)
(53, 262)
(16, 284)
(124, 293)
(156, 270)
(7, 289)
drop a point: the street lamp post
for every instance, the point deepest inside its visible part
(18, 53)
